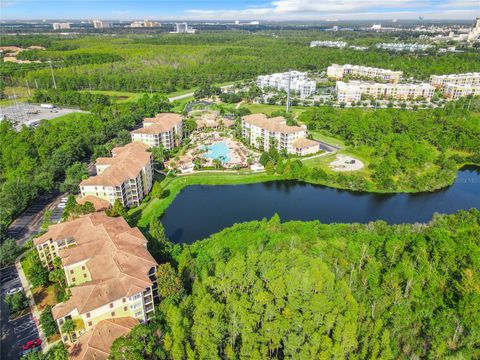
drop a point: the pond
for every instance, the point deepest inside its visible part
(201, 210)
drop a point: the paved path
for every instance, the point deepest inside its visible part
(17, 332)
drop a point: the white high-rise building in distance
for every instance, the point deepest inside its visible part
(61, 26)
(99, 24)
(299, 82)
(182, 28)
(474, 34)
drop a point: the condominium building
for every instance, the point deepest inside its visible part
(330, 44)
(299, 82)
(404, 47)
(263, 132)
(455, 91)
(108, 268)
(340, 71)
(164, 129)
(99, 24)
(353, 91)
(474, 33)
(61, 26)
(440, 81)
(126, 176)
(182, 28)
(145, 24)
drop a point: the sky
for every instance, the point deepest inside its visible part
(276, 10)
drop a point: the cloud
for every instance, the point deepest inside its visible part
(345, 9)
(121, 12)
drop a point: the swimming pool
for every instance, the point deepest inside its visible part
(218, 150)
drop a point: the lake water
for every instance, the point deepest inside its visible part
(201, 210)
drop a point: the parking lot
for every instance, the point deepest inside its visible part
(30, 115)
(15, 333)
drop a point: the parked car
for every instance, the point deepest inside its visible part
(32, 344)
(7, 278)
(64, 199)
(14, 290)
(61, 205)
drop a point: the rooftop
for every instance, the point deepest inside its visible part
(95, 344)
(275, 124)
(160, 123)
(126, 163)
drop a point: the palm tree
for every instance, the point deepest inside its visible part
(68, 328)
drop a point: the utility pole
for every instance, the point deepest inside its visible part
(288, 90)
(53, 76)
(28, 88)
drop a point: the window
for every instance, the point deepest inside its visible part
(73, 279)
(85, 275)
(125, 308)
(83, 267)
(90, 323)
(124, 300)
(88, 315)
(111, 305)
(112, 313)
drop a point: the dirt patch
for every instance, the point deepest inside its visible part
(346, 163)
(44, 296)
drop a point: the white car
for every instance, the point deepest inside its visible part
(14, 290)
(64, 199)
(61, 205)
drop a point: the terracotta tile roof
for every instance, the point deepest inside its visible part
(98, 204)
(160, 123)
(304, 143)
(126, 163)
(95, 344)
(116, 257)
(275, 124)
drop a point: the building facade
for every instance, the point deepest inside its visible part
(61, 26)
(440, 81)
(299, 82)
(164, 129)
(340, 71)
(265, 133)
(353, 91)
(404, 47)
(109, 270)
(127, 176)
(456, 91)
(330, 44)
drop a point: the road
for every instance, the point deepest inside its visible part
(17, 332)
(184, 96)
(30, 221)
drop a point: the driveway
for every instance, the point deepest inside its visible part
(14, 333)
(30, 221)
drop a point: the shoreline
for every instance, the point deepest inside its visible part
(156, 207)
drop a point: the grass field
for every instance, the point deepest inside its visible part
(67, 117)
(327, 139)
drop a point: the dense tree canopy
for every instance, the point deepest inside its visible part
(314, 291)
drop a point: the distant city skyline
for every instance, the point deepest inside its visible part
(240, 10)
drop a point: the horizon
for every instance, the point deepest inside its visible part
(242, 10)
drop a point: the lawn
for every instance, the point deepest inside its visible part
(327, 139)
(44, 296)
(119, 96)
(141, 216)
(67, 117)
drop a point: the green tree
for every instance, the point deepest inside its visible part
(37, 274)
(169, 284)
(74, 174)
(9, 250)
(158, 244)
(17, 301)
(68, 327)
(117, 210)
(48, 324)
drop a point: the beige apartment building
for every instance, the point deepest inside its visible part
(440, 81)
(263, 132)
(338, 72)
(126, 176)
(456, 91)
(164, 129)
(353, 91)
(109, 269)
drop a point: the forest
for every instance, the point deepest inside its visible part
(306, 290)
(37, 160)
(170, 62)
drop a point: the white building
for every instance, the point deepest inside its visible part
(164, 129)
(474, 34)
(145, 24)
(353, 91)
(340, 71)
(99, 24)
(299, 82)
(182, 28)
(330, 44)
(456, 79)
(263, 132)
(61, 26)
(404, 47)
(455, 91)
